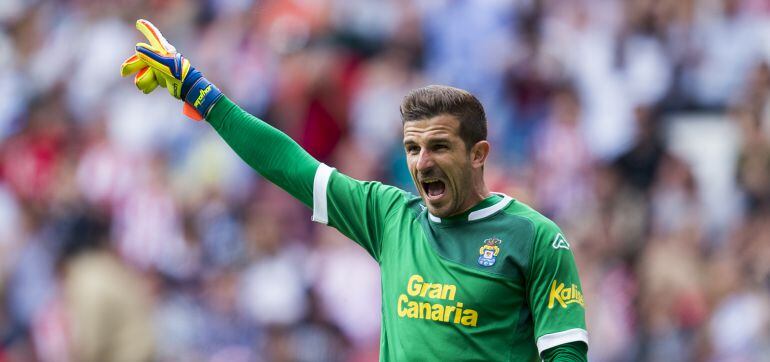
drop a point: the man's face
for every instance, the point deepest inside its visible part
(440, 164)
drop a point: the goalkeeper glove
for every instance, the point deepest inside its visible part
(159, 64)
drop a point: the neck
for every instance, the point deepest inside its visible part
(478, 194)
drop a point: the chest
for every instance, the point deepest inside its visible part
(467, 276)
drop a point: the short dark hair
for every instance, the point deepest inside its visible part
(435, 100)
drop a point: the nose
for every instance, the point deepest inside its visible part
(424, 161)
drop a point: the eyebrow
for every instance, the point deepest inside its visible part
(432, 141)
(439, 140)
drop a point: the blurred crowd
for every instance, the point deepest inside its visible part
(130, 233)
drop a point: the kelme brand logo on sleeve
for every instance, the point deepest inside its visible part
(564, 296)
(489, 252)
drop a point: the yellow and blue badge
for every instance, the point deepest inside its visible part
(489, 251)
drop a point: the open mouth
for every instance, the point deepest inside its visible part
(434, 188)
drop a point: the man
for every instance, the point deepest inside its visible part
(107, 304)
(466, 274)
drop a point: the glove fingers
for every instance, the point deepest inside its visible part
(155, 60)
(145, 80)
(155, 37)
(160, 78)
(131, 65)
(150, 87)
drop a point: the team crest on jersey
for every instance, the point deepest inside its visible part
(489, 251)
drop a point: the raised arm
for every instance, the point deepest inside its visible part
(357, 209)
(269, 151)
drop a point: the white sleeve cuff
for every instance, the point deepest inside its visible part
(320, 183)
(554, 339)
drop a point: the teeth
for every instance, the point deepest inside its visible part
(427, 181)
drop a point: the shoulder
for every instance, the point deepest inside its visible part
(539, 221)
(413, 201)
(544, 230)
(381, 194)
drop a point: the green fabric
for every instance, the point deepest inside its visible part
(361, 210)
(269, 151)
(568, 352)
(438, 301)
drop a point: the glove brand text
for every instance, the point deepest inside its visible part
(202, 95)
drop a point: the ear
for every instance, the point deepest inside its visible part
(479, 154)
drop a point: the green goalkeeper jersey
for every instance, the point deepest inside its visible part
(496, 283)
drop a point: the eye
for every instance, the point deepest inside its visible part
(412, 150)
(440, 147)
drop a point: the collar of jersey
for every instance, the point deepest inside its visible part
(487, 207)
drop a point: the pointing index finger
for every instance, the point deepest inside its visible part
(155, 37)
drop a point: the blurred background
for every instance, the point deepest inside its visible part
(130, 233)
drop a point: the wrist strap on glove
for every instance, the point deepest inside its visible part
(198, 94)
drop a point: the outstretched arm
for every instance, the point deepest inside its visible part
(269, 151)
(357, 209)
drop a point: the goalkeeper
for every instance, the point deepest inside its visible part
(467, 274)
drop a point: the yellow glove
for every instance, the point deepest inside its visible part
(159, 64)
